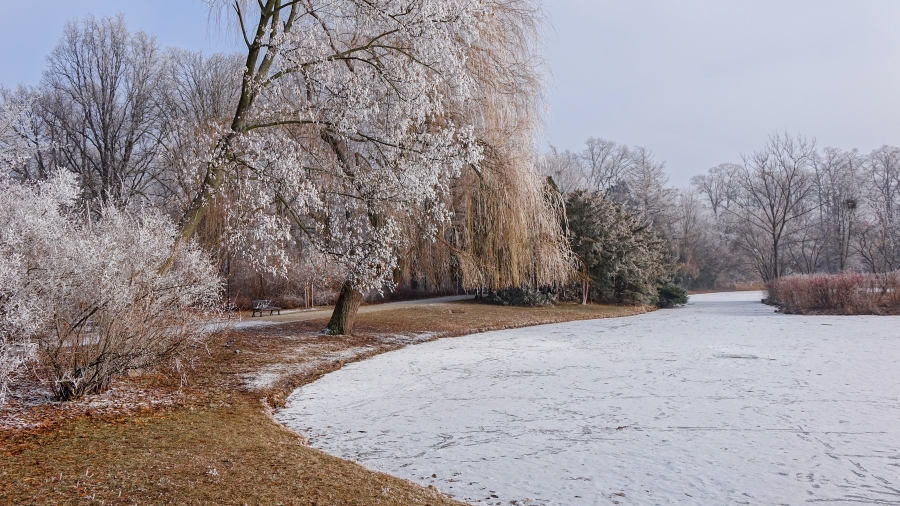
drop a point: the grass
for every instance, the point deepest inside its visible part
(229, 453)
(217, 443)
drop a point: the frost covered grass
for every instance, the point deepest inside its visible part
(212, 440)
(850, 293)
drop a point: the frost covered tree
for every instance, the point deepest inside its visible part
(17, 311)
(606, 164)
(565, 168)
(644, 190)
(349, 124)
(602, 166)
(699, 243)
(878, 241)
(718, 187)
(631, 176)
(838, 193)
(129, 118)
(201, 94)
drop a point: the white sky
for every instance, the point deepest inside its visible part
(697, 81)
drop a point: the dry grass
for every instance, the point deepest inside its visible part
(226, 453)
(216, 442)
(850, 293)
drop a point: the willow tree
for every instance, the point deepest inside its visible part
(356, 118)
(506, 224)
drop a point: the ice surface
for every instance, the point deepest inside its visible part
(720, 402)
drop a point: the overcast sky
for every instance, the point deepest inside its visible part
(697, 81)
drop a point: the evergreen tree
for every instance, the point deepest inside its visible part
(622, 259)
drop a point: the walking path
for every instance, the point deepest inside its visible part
(720, 402)
(294, 315)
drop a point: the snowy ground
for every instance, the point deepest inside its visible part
(720, 402)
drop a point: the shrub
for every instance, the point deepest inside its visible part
(671, 295)
(93, 301)
(521, 297)
(851, 293)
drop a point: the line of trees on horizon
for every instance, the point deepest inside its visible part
(788, 208)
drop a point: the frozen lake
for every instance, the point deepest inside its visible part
(719, 402)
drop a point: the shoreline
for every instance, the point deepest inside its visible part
(232, 420)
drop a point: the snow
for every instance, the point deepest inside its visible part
(720, 402)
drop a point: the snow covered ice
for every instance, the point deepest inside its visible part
(720, 402)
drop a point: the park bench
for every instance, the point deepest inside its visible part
(264, 305)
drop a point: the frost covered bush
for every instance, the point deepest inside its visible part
(851, 293)
(16, 324)
(86, 295)
(32, 232)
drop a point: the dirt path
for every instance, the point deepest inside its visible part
(295, 315)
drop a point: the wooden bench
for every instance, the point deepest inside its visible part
(264, 305)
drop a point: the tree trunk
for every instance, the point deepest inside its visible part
(776, 272)
(345, 310)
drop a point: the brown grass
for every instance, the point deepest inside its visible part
(849, 293)
(223, 454)
(217, 443)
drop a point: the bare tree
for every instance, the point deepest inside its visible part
(807, 248)
(838, 194)
(202, 93)
(565, 167)
(26, 131)
(647, 193)
(606, 164)
(630, 176)
(879, 239)
(718, 185)
(775, 183)
(100, 102)
(697, 243)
